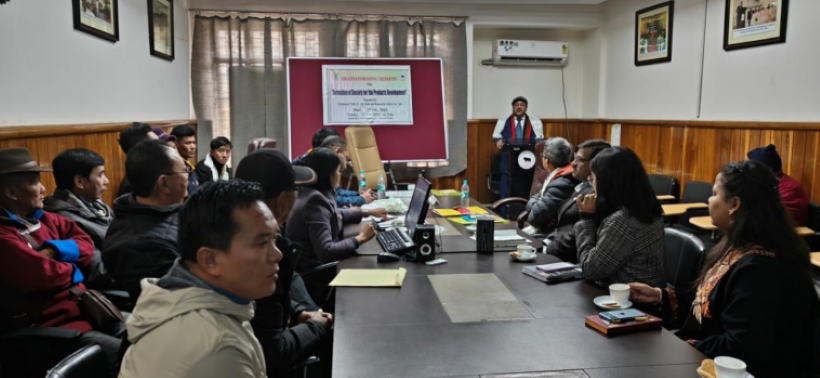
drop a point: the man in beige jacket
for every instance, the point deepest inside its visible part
(194, 321)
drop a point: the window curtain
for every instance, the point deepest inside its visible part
(238, 69)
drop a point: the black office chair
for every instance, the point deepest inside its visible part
(813, 222)
(695, 192)
(684, 258)
(494, 177)
(317, 280)
(664, 185)
(30, 352)
(87, 362)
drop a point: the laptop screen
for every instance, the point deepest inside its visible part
(417, 211)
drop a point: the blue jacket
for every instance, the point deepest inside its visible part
(348, 198)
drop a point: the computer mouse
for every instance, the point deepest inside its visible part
(388, 257)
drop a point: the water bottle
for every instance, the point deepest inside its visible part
(465, 194)
(362, 182)
(381, 188)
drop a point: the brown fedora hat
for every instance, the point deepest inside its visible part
(13, 160)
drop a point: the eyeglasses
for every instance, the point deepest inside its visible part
(187, 171)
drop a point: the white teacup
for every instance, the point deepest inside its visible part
(729, 367)
(525, 252)
(619, 293)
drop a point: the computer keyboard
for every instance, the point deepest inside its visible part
(395, 240)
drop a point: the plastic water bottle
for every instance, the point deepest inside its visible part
(382, 191)
(465, 194)
(362, 182)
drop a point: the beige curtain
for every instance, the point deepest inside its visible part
(238, 74)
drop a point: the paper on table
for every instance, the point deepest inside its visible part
(446, 212)
(399, 193)
(504, 235)
(462, 221)
(370, 277)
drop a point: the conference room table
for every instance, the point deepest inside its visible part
(409, 332)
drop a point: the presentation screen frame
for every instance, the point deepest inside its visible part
(335, 61)
(326, 93)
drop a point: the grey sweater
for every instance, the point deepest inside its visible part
(317, 224)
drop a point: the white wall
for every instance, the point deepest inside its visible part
(53, 74)
(778, 82)
(770, 83)
(493, 88)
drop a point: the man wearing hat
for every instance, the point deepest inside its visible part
(42, 256)
(792, 194)
(284, 345)
(518, 128)
(168, 139)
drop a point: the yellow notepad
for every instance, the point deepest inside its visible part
(445, 192)
(370, 277)
(455, 213)
(462, 221)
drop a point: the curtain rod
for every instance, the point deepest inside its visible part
(210, 12)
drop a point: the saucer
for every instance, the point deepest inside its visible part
(515, 256)
(701, 373)
(599, 301)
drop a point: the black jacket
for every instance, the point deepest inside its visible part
(140, 243)
(543, 209)
(204, 173)
(284, 345)
(761, 314)
(94, 223)
(562, 236)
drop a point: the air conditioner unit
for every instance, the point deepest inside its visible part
(509, 52)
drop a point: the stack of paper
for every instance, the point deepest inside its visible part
(370, 277)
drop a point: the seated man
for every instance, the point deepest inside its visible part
(558, 186)
(186, 146)
(561, 238)
(142, 240)
(318, 137)
(792, 194)
(41, 257)
(130, 137)
(346, 198)
(284, 345)
(81, 181)
(214, 167)
(195, 321)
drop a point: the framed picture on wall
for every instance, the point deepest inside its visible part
(161, 28)
(653, 34)
(752, 23)
(97, 17)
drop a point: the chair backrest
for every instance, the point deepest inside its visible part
(87, 362)
(684, 258)
(361, 144)
(259, 143)
(696, 191)
(540, 172)
(664, 185)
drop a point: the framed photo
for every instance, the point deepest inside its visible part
(161, 28)
(752, 23)
(653, 34)
(98, 17)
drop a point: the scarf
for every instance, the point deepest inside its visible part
(512, 121)
(700, 307)
(217, 174)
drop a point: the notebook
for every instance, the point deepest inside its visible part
(599, 324)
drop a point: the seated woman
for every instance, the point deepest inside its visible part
(316, 223)
(620, 235)
(755, 299)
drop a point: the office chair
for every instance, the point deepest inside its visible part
(317, 280)
(260, 143)
(87, 362)
(694, 192)
(664, 185)
(684, 258)
(361, 143)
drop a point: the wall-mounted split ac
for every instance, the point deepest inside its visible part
(509, 52)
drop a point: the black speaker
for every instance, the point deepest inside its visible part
(425, 239)
(485, 230)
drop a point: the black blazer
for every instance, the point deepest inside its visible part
(562, 237)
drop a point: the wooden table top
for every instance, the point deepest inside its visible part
(674, 209)
(815, 259)
(706, 224)
(665, 197)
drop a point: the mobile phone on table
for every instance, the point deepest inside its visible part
(436, 262)
(621, 316)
